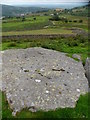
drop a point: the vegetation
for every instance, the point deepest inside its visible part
(14, 11)
(80, 11)
(28, 24)
(55, 17)
(71, 45)
(38, 22)
(41, 22)
(43, 31)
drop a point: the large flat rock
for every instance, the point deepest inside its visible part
(41, 79)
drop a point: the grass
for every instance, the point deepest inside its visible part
(41, 22)
(28, 24)
(80, 111)
(42, 31)
(71, 45)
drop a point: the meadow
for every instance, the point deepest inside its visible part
(40, 24)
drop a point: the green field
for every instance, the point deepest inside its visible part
(41, 22)
(42, 25)
(28, 24)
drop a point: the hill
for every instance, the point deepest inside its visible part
(14, 11)
(80, 11)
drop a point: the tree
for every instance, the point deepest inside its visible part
(23, 19)
(55, 17)
(80, 21)
(34, 18)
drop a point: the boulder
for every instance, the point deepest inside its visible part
(87, 69)
(77, 56)
(41, 79)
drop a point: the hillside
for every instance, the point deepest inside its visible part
(80, 11)
(14, 11)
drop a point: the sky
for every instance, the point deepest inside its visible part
(13, 2)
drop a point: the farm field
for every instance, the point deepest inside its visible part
(43, 22)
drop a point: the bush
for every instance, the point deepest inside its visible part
(66, 21)
(34, 18)
(23, 19)
(55, 17)
(13, 44)
(80, 21)
(18, 17)
(72, 43)
(75, 21)
(70, 20)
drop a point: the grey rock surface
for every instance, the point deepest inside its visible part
(87, 69)
(76, 56)
(41, 79)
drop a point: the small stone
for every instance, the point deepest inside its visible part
(32, 104)
(2, 52)
(38, 81)
(53, 89)
(20, 71)
(47, 91)
(21, 89)
(14, 113)
(76, 56)
(48, 99)
(42, 69)
(78, 90)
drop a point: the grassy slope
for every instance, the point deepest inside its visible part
(28, 24)
(41, 22)
(8, 10)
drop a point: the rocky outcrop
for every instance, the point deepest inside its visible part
(87, 69)
(41, 79)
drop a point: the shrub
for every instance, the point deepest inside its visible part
(66, 21)
(80, 21)
(70, 20)
(72, 43)
(23, 19)
(34, 18)
(55, 17)
(13, 44)
(75, 21)
(18, 17)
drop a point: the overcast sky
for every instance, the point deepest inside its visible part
(10, 2)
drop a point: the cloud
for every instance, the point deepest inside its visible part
(37, 1)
